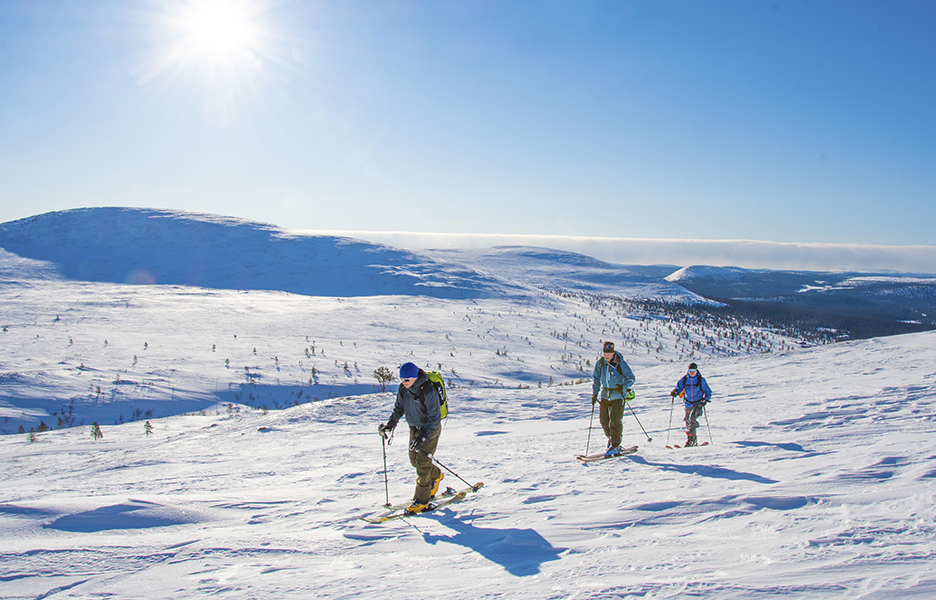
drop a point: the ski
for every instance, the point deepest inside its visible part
(400, 513)
(593, 457)
(449, 492)
(674, 446)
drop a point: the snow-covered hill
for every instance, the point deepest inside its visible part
(818, 484)
(557, 269)
(149, 246)
(252, 359)
(81, 345)
(140, 246)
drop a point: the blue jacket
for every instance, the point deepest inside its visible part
(609, 381)
(693, 389)
(420, 403)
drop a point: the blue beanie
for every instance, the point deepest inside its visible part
(408, 371)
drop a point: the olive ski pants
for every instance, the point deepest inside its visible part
(426, 471)
(611, 415)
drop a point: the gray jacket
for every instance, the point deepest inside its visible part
(420, 403)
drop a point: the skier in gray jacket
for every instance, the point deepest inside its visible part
(418, 400)
(613, 379)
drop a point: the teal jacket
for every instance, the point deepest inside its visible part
(612, 379)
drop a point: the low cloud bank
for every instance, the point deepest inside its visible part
(724, 253)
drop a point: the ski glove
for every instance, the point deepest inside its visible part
(390, 426)
(594, 399)
(674, 393)
(418, 440)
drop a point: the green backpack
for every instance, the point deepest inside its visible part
(436, 379)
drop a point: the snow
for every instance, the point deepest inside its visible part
(818, 483)
(709, 273)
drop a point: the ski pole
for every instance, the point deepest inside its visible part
(592, 420)
(436, 461)
(649, 439)
(383, 446)
(711, 441)
(670, 426)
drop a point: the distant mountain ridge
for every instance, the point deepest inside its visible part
(149, 246)
(154, 246)
(900, 298)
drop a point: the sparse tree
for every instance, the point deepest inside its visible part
(42, 427)
(147, 429)
(96, 431)
(384, 376)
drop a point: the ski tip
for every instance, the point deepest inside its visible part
(477, 486)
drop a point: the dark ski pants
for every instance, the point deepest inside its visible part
(611, 415)
(426, 471)
(692, 419)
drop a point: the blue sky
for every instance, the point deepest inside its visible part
(800, 121)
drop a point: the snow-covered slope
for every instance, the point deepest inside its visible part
(819, 483)
(145, 246)
(149, 246)
(557, 269)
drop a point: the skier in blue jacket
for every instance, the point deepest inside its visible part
(613, 379)
(696, 393)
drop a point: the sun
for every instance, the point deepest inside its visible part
(218, 33)
(218, 30)
(225, 51)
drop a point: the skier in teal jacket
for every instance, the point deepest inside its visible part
(612, 379)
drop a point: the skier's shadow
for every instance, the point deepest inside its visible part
(706, 471)
(520, 551)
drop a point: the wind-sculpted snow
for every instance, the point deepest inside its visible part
(817, 483)
(138, 246)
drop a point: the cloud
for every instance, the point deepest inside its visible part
(748, 254)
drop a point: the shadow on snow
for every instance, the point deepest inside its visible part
(520, 551)
(705, 471)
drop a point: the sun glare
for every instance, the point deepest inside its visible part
(223, 50)
(219, 29)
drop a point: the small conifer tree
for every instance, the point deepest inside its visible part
(147, 429)
(96, 431)
(384, 376)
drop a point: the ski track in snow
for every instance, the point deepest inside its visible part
(819, 483)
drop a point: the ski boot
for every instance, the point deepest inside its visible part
(691, 440)
(415, 508)
(435, 485)
(613, 451)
